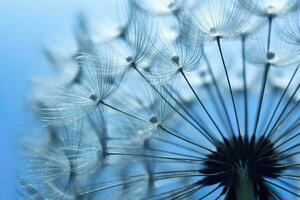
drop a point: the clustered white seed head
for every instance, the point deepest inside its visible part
(176, 99)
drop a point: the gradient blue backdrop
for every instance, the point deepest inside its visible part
(24, 26)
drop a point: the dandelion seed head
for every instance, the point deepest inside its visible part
(160, 7)
(289, 28)
(168, 27)
(270, 7)
(242, 158)
(175, 100)
(279, 53)
(216, 19)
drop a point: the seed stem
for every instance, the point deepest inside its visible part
(219, 94)
(244, 186)
(204, 134)
(245, 85)
(201, 103)
(229, 85)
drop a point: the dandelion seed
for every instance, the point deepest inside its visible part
(160, 7)
(269, 7)
(278, 54)
(71, 104)
(219, 19)
(175, 58)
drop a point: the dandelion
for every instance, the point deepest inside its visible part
(63, 159)
(216, 19)
(71, 104)
(270, 8)
(204, 108)
(160, 7)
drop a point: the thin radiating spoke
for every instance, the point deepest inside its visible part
(229, 85)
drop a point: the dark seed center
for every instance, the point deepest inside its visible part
(93, 97)
(175, 59)
(203, 73)
(171, 5)
(239, 159)
(110, 80)
(129, 59)
(270, 55)
(213, 30)
(153, 120)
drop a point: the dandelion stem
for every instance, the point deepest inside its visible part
(203, 127)
(193, 113)
(143, 177)
(178, 145)
(280, 100)
(261, 96)
(285, 134)
(220, 113)
(277, 155)
(277, 124)
(270, 20)
(157, 157)
(158, 150)
(123, 112)
(265, 77)
(289, 176)
(208, 137)
(210, 192)
(288, 131)
(264, 81)
(218, 197)
(218, 92)
(288, 149)
(288, 155)
(184, 139)
(275, 196)
(229, 85)
(244, 186)
(282, 188)
(283, 166)
(245, 91)
(201, 103)
(115, 183)
(172, 192)
(187, 192)
(274, 128)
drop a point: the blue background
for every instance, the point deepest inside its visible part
(25, 25)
